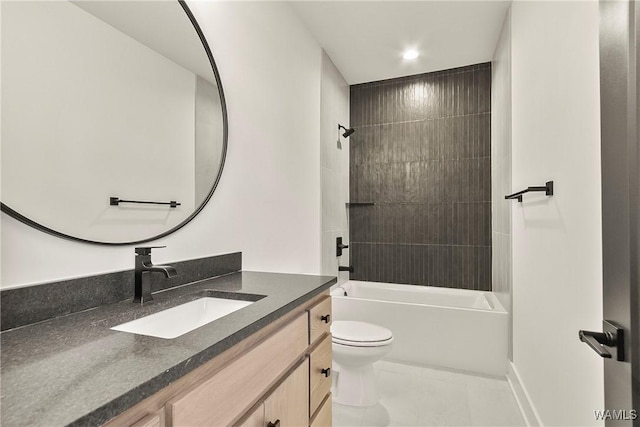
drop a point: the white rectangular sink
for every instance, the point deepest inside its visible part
(179, 320)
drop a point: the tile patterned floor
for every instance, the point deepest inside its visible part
(419, 396)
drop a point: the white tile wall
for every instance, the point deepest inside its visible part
(334, 158)
(501, 171)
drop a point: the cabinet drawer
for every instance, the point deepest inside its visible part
(320, 373)
(324, 416)
(155, 420)
(222, 398)
(288, 405)
(319, 319)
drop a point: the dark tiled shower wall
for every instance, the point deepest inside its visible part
(421, 153)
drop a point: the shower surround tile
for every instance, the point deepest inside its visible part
(422, 154)
(334, 171)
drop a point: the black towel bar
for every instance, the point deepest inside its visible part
(115, 201)
(353, 204)
(547, 188)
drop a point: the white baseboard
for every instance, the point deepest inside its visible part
(527, 409)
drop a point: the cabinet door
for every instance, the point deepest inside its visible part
(288, 405)
(255, 418)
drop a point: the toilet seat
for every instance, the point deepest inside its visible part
(360, 334)
(361, 343)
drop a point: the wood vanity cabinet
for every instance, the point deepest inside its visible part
(279, 376)
(320, 358)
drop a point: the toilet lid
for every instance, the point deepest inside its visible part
(359, 332)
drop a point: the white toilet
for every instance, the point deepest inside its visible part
(356, 345)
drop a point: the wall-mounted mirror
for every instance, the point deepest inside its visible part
(104, 99)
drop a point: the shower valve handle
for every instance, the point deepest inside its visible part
(340, 246)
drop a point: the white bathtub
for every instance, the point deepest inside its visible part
(452, 328)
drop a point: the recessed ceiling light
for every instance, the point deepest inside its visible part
(410, 54)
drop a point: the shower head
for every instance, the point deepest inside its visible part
(347, 132)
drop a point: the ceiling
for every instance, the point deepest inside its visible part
(366, 39)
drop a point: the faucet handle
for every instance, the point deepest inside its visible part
(146, 250)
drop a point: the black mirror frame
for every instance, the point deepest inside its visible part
(225, 125)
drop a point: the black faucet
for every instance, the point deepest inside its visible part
(144, 268)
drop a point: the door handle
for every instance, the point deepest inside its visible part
(597, 341)
(613, 336)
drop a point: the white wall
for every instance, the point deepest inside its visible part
(501, 268)
(557, 249)
(334, 156)
(209, 131)
(82, 124)
(267, 204)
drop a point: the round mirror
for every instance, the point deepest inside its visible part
(114, 125)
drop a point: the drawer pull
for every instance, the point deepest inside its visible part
(276, 424)
(326, 318)
(326, 372)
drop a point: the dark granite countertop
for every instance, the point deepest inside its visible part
(75, 370)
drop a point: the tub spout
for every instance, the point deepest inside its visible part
(344, 291)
